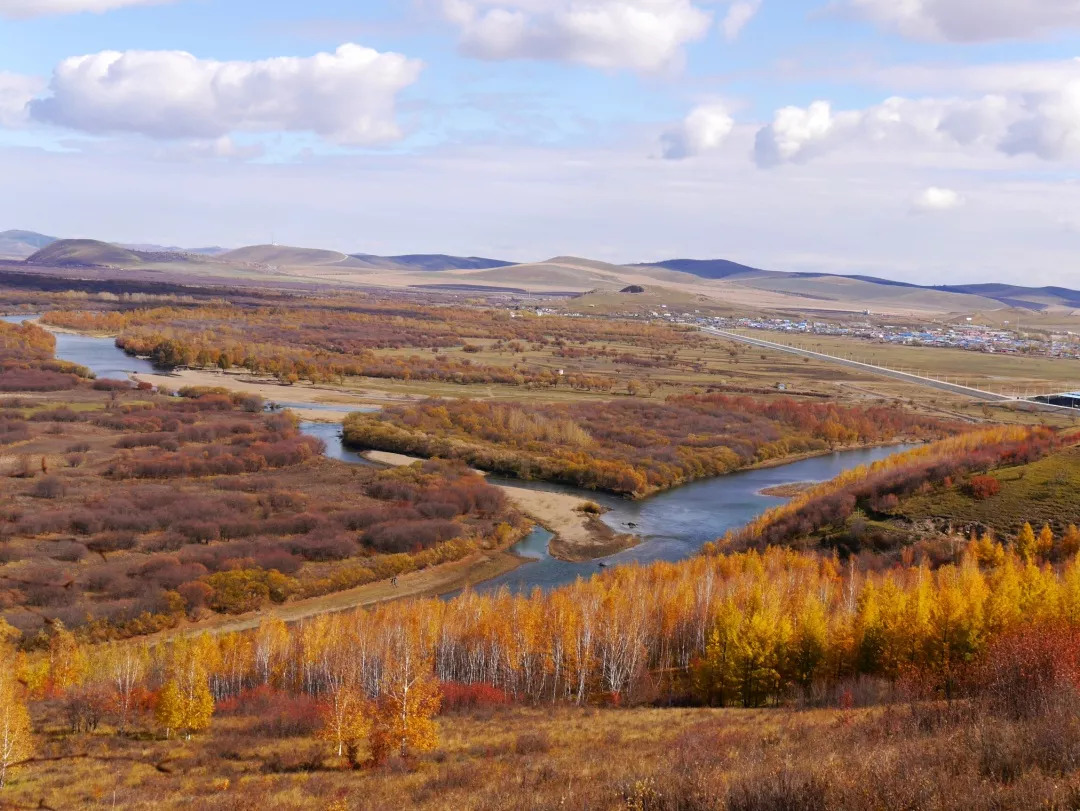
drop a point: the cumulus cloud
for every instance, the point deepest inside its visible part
(25, 9)
(640, 35)
(705, 129)
(1049, 127)
(936, 198)
(1046, 125)
(347, 96)
(970, 20)
(16, 91)
(738, 16)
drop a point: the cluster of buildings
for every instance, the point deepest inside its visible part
(970, 336)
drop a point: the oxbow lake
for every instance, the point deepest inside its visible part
(673, 525)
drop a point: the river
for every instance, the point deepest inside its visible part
(673, 524)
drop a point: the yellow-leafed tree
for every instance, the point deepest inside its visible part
(1026, 545)
(404, 712)
(16, 741)
(346, 722)
(185, 703)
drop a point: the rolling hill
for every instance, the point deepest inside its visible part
(427, 262)
(721, 280)
(282, 256)
(16, 244)
(83, 253)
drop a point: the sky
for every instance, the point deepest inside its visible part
(934, 141)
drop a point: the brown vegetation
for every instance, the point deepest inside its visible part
(626, 447)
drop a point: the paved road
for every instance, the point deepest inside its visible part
(907, 377)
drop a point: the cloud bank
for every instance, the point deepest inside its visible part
(970, 20)
(648, 36)
(1045, 124)
(25, 9)
(347, 97)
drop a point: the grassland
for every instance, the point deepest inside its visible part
(261, 756)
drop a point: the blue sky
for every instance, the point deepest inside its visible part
(936, 140)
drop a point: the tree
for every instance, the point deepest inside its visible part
(124, 666)
(1070, 542)
(410, 698)
(1044, 544)
(16, 743)
(185, 702)
(346, 722)
(1026, 545)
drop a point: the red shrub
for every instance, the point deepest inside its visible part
(983, 487)
(458, 697)
(1028, 671)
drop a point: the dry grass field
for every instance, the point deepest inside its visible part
(905, 756)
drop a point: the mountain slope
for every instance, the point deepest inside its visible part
(83, 253)
(708, 268)
(427, 261)
(282, 255)
(19, 244)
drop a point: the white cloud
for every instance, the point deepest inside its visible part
(739, 15)
(25, 9)
(642, 35)
(936, 198)
(970, 20)
(1050, 126)
(705, 129)
(347, 96)
(16, 91)
(1044, 124)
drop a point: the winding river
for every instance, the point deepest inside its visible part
(673, 524)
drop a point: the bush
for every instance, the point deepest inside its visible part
(50, 487)
(983, 487)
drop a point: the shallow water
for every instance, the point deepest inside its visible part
(673, 524)
(99, 355)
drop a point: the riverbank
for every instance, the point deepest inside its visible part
(787, 490)
(272, 390)
(579, 536)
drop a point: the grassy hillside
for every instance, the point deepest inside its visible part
(20, 244)
(84, 253)
(1041, 492)
(282, 255)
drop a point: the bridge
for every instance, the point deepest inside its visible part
(1049, 401)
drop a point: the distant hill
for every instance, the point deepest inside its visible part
(706, 268)
(427, 261)
(83, 253)
(282, 255)
(21, 244)
(94, 253)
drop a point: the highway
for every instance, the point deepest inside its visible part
(908, 377)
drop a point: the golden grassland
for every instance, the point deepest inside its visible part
(901, 756)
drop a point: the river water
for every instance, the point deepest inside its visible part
(673, 524)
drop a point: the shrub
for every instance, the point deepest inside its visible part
(50, 487)
(983, 487)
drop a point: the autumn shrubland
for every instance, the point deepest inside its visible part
(128, 511)
(632, 448)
